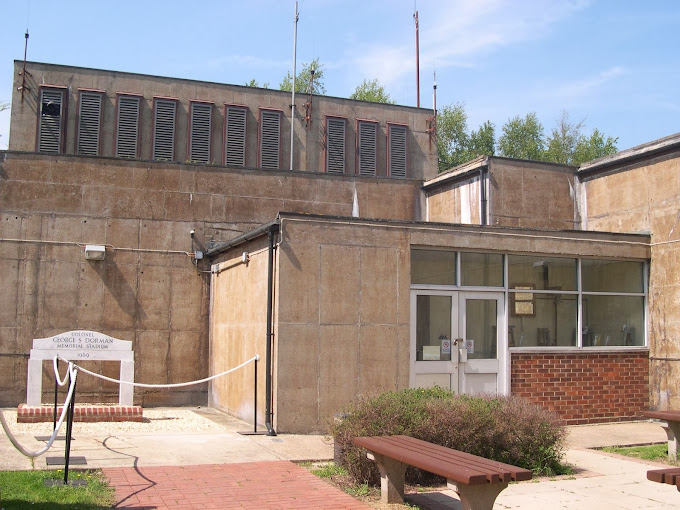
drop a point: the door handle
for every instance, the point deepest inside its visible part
(458, 341)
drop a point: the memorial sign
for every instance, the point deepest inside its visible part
(80, 346)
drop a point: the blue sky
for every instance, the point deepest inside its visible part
(614, 63)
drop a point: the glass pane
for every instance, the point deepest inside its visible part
(433, 267)
(433, 325)
(611, 276)
(613, 320)
(481, 269)
(542, 273)
(553, 323)
(480, 328)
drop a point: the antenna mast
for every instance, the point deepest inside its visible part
(23, 72)
(292, 104)
(415, 16)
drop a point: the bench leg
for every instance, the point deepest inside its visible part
(392, 474)
(477, 497)
(672, 429)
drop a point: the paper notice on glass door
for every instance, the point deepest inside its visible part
(470, 346)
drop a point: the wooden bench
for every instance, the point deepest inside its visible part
(478, 481)
(670, 476)
(671, 424)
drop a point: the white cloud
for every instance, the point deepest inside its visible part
(459, 32)
(584, 86)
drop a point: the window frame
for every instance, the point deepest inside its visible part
(375, 124)
(79, 124)
(156, 101)
(394, 127)
(63, 116)
(190, 131)
(225, 136)
(260, 136)
(116, 134)
(327, 149)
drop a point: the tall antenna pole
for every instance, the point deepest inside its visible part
(292, 103)
(434, 103)
(23, 72)
(415, 16)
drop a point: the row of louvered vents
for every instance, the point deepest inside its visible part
(165, 114)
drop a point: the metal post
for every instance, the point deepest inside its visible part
(56, 394)
(69, 428)
(255, 401)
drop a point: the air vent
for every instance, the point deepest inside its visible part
(367, 148)
(127, 130)
(270, 139)
(51, 125)
(89, 122)
(335, 145)
(201, 125)
(397, 151)
(164, 129)
(235, 143)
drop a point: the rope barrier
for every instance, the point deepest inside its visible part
(174, 385)
(73, 372)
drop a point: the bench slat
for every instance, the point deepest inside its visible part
(458, 466)
(663, 415)
(670, 476)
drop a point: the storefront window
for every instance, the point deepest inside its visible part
(433, 267)
(612, 276)
(542, 273)
(481, 269)
(553, 323)
(613, 321)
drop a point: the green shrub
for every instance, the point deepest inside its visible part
(506, 429)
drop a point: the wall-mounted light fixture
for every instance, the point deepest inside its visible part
(95, 252)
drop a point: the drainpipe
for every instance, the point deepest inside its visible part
(268, 370)
(483, 197)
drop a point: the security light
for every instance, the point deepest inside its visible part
(95, 252)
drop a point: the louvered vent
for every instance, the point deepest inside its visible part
(201, 124)
(89, 117)
(270, 139)
(49, 137)
(235, 144)
(127, 133)
(367, 148)
(398, 151)
(164, 130)
(335, 146)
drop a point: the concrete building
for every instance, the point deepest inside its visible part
(359, 271)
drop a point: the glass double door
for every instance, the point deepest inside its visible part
(457, 341)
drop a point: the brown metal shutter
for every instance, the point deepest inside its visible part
(89, 123)
(50, 129)
(335, 145)
(397, 151)
(270, 139)
(127, 127)
(367, 148)
(165, 111)
(235, 143)
(201, 127)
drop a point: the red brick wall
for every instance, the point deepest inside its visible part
(584, 387)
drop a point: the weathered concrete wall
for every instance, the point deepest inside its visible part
(343, 315)
(309, 137)
(645, 197)
(341, 327)
(584, 387)
(238, 331)
(531, 194)
(507, 192)
(141, 293)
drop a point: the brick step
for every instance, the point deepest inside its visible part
(83, 413)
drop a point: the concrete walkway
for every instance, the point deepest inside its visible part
(225, 469)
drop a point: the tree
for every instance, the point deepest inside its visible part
(561, 143)
(304, 77)
(371, 90)
(254, 83)
(4, 106)
(455, 145)
(522, 138)
(594, 147)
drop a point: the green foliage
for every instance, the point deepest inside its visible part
(455, 145)
(506, 429)
(522, 138)
(254, 83)
(4, 106)
(371, 90)
(568, 145)
(303, 79)
(26, 489)
(655, 452)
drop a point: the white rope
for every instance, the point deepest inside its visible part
(56, 372)
(175, 385)
(73, 371)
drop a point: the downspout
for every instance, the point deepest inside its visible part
(268, 359)
(483, 201)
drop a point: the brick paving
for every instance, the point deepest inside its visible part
(252, 485)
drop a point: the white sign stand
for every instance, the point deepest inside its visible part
(80, 346)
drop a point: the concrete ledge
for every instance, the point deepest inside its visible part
(84, 413)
